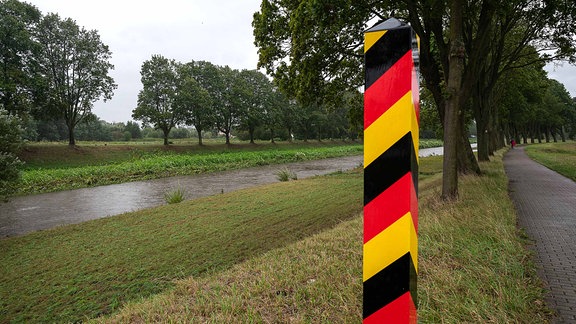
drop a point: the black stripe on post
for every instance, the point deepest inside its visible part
(386, 52)
(389, 284)
(390, 167)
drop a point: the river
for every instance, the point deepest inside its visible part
(22, 215)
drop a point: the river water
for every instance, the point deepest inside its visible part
(26, 214)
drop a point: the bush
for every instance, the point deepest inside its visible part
(10, 144)
(175, 196)
(286, 175)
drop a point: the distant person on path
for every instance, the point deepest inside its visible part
(512, 143)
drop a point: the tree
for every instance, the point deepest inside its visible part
(10, 143)
(289, 116)
(194, 98)
(134, 129)
(313, 49)
(234, 95)
(258, 101)
(75, 64)
(157, 99)
(272, 115)
(18, 55)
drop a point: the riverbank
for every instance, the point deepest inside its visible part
(53, 167)
(59, 167)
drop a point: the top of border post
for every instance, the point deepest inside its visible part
(391, 23)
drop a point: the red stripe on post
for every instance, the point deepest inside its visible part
(395, 312)
(395, 83)
(390, 206)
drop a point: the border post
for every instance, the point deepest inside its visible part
(391, 132)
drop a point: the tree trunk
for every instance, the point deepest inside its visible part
(71, 139)
(272, 135)
(199, 131)
(562, 133)
(452, 113)
(467, 162)
(251, 133)
(166, 133)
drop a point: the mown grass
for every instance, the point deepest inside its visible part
(560, 157)
(71, 168)
(474, 268)
(252, 256)
(83, 271)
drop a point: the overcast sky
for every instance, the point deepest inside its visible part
(219, 31)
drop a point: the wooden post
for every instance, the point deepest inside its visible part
(391, 118)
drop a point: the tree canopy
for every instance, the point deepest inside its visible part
(157, 99)
(75, 64)
(313, 49)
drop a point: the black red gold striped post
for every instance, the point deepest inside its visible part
(391, 118)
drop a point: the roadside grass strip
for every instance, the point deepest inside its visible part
(560, 157)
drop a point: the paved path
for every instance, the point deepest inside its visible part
(546, 205)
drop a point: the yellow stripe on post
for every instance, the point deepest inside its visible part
(390, 127)
(371, 38)
(393, 241)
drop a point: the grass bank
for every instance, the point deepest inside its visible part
(82, 271)
(288, 252)
(560, 157)
(58, 167)
(474, 268)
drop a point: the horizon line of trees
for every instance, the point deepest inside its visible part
(212, 97)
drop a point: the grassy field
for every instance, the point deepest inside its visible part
(560, 157)
(288, 252)
(82, 271)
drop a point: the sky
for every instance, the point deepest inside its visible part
(218, 31)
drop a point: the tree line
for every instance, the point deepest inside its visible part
(52, 69)
(470, 54)
(211, 97)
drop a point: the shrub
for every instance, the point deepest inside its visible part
(10, 143)
(286, 175)
(175, 196)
